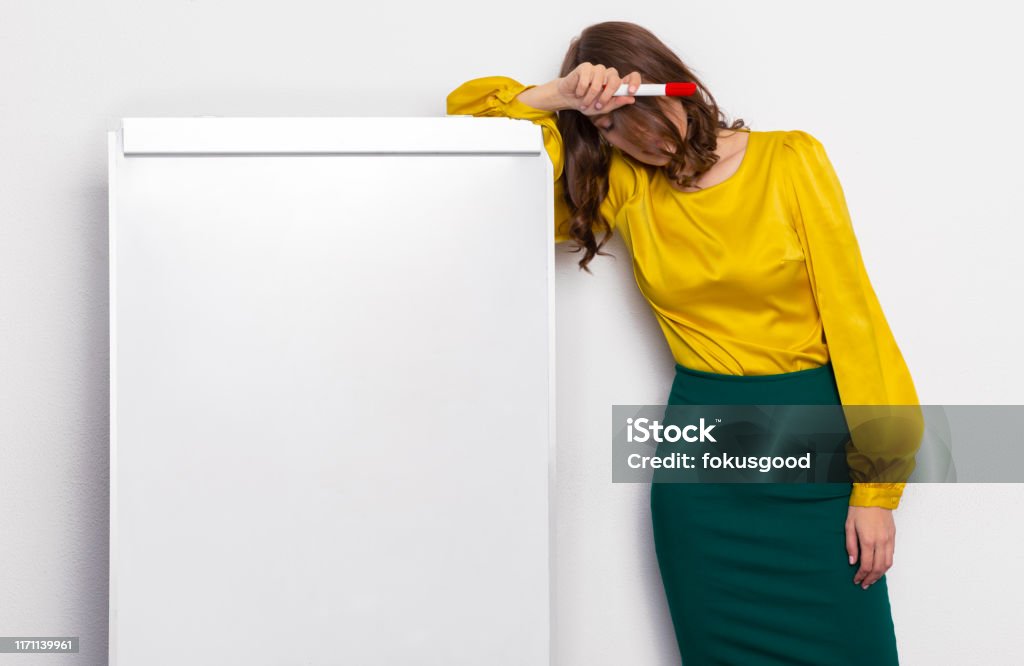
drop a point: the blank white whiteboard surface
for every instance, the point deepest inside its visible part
(332, 409)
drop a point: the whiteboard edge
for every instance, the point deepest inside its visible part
(113, 155)
(217, 135)
(552, 396)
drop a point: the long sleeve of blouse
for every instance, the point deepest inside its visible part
(881, 403)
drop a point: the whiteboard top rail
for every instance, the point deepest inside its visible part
(447, 135)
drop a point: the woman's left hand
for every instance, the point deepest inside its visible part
(871, 534)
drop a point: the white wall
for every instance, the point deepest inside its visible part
(929, 156)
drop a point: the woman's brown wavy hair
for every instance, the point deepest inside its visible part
(629, 47)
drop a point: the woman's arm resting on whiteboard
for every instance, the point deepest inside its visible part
(504, 96)
(545, 97)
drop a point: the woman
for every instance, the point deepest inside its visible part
(742, 244)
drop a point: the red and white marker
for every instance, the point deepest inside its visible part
(658, 89)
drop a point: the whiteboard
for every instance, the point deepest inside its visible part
(331, 366)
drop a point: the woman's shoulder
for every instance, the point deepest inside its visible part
(626, 177)
(793, 147)
(776, 144)
(799, 141)
(791, 138)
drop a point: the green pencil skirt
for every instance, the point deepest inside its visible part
(757, 574)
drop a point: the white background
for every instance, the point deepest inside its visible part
(915, 103)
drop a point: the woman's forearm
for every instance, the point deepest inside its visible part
(544, 97)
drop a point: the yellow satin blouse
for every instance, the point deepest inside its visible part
(749, 276)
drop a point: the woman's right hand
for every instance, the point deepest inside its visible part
(589, 88)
